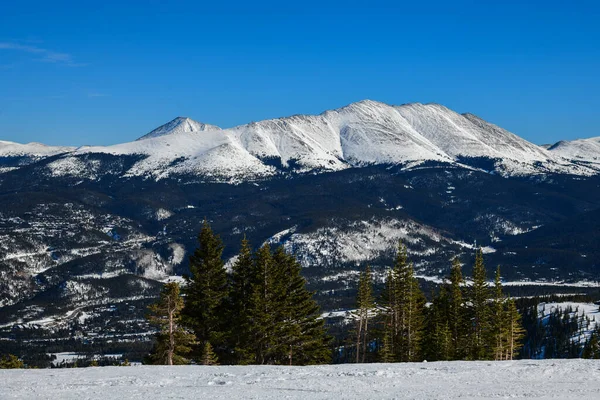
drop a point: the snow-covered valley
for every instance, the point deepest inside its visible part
(525, 379)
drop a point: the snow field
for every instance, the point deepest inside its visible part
(525, 379)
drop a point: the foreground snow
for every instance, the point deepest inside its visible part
(548, 379)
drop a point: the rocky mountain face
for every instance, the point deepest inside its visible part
(87, 234)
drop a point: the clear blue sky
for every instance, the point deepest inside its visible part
(106, 72)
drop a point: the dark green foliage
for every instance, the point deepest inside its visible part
(456, 313)
(592, 347)
(205, 291)
(438, 345)
(479, 295)
(403, 311)
(261, 314)
(285, 327)
(239, 326)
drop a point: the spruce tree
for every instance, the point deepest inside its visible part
(301, 337)
(404, 303)
(438, 337)
(173, 342)
(205, 291)
(267, 291)
(498, 322)
(388, 300)
(515, 331)
(208, 355)
(10, 361)
(240, 295)
(591, 349)
(457, 312)
(365, 304)
(480, 313)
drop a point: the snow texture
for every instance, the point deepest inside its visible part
(582, 150)
(526, 379)
(360, 134)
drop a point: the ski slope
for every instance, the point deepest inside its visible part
(525, 379)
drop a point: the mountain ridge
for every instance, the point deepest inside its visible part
(363, 133)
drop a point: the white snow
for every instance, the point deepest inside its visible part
(11, 149)
(526, 379)
(582, 310)
(581, 150)
(180, 125)
(360, 134)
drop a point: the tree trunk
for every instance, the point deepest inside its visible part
(171, 335)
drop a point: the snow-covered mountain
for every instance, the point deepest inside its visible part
(360, 134)
(180, 125)
(582, 151)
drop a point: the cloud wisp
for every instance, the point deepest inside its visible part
(43, 55)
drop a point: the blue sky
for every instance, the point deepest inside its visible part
(107, 72)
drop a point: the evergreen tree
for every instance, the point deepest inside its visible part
(592, 347)
(457, 318)
(267, 292)
(208, 355)
(365, 303)
(388, 351)
(240, 296)
(302, 337)
(438, 338)
(498, 325)
(205, 292)
(480, 313)
(404, 303)
(285, 320)
(11, 361)
(515, 331)
(173, 341)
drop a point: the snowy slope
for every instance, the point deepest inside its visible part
(360, 134)
(526, 379)
(582, 150)
(11, 149)
(582, 310)
(180, 125)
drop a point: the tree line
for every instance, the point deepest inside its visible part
(259, 312)
(463, 321)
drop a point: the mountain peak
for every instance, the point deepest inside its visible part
(180, 125)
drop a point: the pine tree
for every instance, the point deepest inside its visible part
(11, 361)
(240, 294)
(457, 312)
(498, 323)
(388, 351)
(301, 337)
(479, 311)
(267, 291)
(208, 355)
(365, 303)
(438, 338)
(592, 347)
(404, 303)
(173, 341)
(205, 291)
(515, 331)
